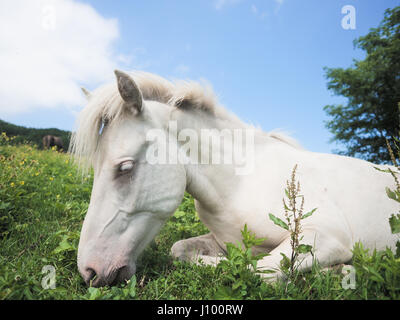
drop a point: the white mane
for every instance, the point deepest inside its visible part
(105, 105)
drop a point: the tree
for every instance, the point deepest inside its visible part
(372, 88)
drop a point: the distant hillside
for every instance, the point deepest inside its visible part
(33, 135)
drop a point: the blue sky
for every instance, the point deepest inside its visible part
(264, 59)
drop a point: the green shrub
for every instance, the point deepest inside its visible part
(239, 270)
(378, 273)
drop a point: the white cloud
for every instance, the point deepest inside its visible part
(219, 4)
(50, 48)
(278, 6)
(257, 12)
(182, 69)
(137, 57)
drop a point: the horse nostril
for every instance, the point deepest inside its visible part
(89, 276)
(118, 275)
(123, 274)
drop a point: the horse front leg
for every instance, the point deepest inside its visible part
(201, 249)
(328, 250)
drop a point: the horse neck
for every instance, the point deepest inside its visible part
(210, 182)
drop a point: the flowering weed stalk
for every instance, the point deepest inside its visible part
(294, 213)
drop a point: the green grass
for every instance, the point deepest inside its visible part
(43, 201)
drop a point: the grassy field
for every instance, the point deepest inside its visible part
(43, 201)
(33, 135)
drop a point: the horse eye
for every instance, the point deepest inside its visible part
(126, 166)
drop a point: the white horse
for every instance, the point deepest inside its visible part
(132, 198)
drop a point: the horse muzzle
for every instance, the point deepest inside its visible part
(95, 276)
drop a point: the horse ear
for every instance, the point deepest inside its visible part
(86, 93)
(129, 91)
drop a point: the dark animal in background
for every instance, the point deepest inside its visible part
(53, 141)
